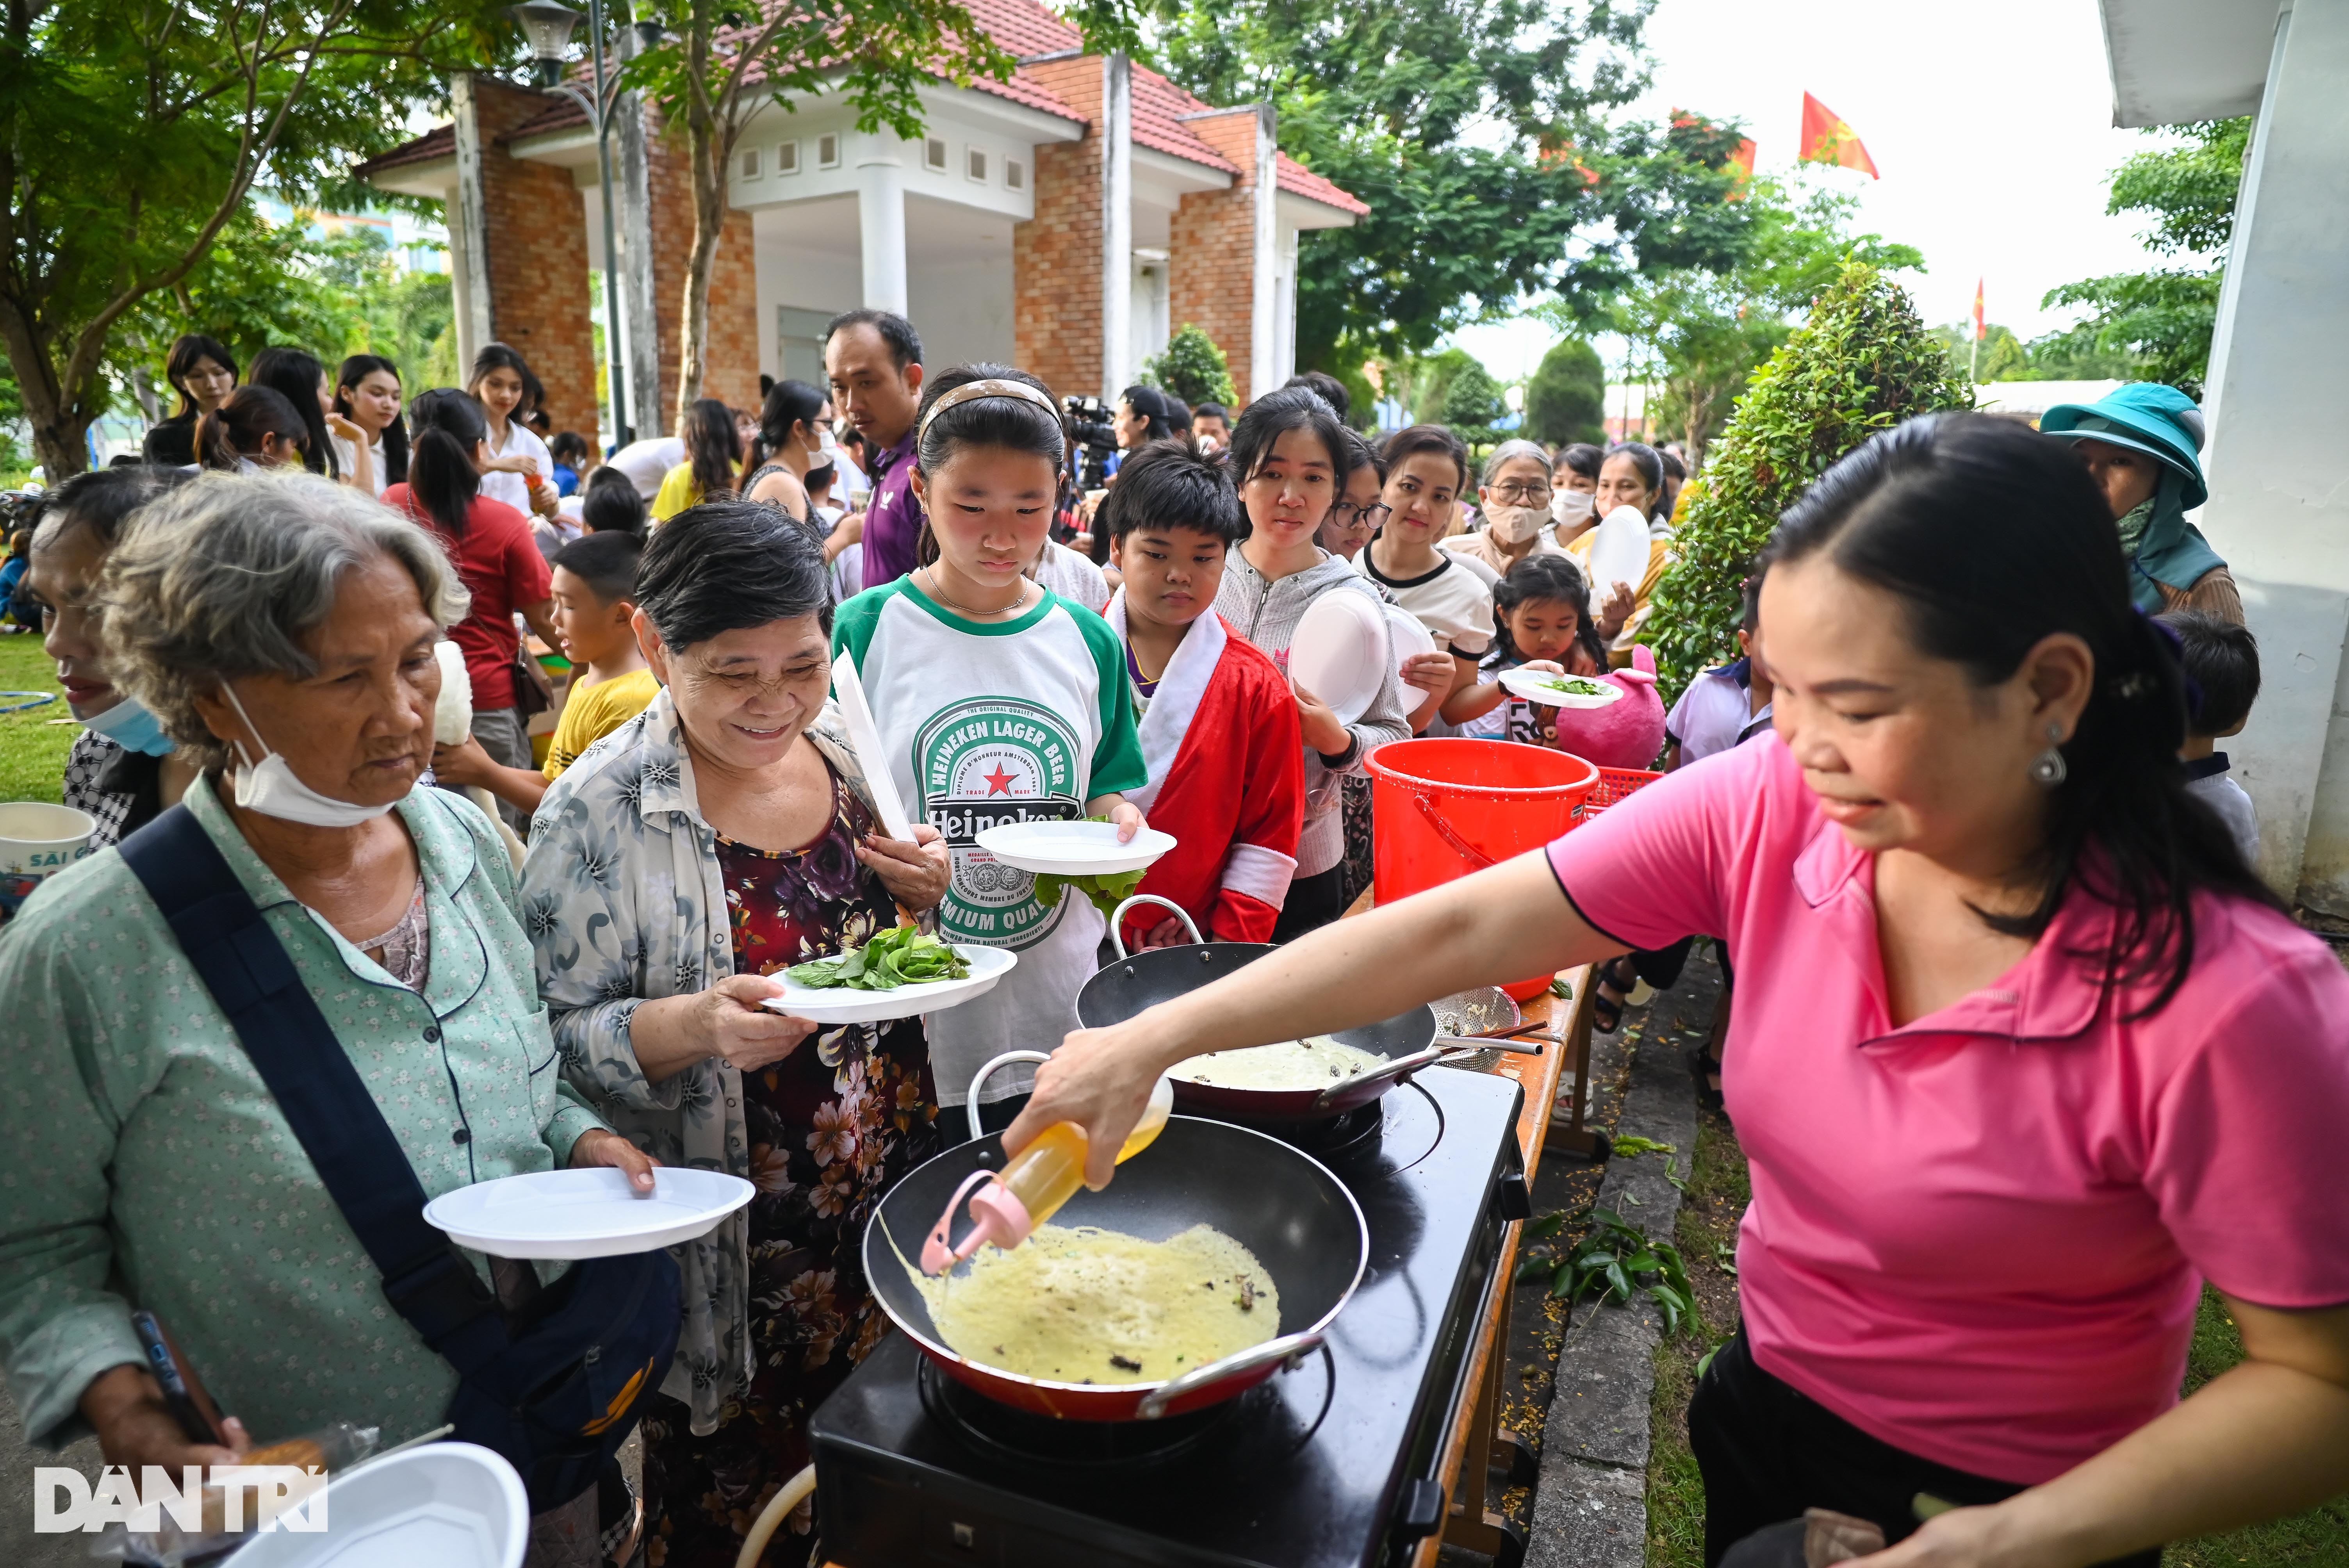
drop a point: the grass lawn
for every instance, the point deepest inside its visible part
(1718, 1195)
(35, 740)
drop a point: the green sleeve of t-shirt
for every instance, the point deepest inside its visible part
(853, 622)
(1117, 756)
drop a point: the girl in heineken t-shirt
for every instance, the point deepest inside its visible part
(997, 701)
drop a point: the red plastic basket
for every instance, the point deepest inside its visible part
(1614, 784)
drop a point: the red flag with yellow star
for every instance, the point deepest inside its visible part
(1829, 138)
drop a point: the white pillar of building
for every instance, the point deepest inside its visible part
(468, 215)
(881, 220)
(1285, 364)
(1264, 292)
(2277, 466)
(1117, 223)
(632, 194)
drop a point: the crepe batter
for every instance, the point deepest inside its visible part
(1315, 1062)
(1081, 1305)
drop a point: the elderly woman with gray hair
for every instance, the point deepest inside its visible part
(1514, 494)
(281, 630)
(724, 834)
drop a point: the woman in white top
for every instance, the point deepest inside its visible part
(1427, 468)
(519, 470)
(367, 401)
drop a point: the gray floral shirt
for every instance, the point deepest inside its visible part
(623, 901)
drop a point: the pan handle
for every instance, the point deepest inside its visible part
(1394, 1067)
(1289, 1350)
(1490, 1043)
(980, 1077)
(1117, 920)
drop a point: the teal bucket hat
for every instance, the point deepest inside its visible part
(2144, 416)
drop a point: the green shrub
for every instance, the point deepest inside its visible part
(1565, 400)
(1472, 404)
(1192, 368)
(1860, 363)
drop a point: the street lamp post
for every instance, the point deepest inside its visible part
(548, 26)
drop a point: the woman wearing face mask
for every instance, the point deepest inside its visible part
(2141, 444)
(791, 425)
(123, 768)
(1517, 496)
(725, 833)
(367, 400)
(500, 564)
(203, 372)
(281, 630)
(2025, 1052)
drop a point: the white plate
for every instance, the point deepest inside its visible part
(1340, 651)
(589, 1213)
(847, 1004)
(1619, 553)
(1410, 639)
(1527, 684)
(865, 737)
(1073, 849)
(452, 1505)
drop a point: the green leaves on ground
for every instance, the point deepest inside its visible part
(1862, 362)
(901, 955)
(1107, 892)
(1616, 1262)
(1632, 1145)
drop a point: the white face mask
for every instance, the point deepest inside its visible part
(1570, 506)
(1515, 525)
(270, 788)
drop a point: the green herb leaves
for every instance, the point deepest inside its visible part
(1615, 1261)
(1107, 892)
(902, 955)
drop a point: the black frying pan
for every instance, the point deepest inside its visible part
(1282, 1205)
(1139, 980)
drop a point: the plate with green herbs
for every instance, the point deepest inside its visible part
(901, 971)
(1548, 688)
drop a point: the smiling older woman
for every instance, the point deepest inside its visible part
(723, 834)
(281, 630)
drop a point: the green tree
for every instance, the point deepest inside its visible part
(1566, 398)
(1860, 363)
(1472, 402)
(2159, 323)
(1477, 132)
(1192, 368)
(131, 134)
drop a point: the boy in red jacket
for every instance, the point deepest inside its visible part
(1218, 723)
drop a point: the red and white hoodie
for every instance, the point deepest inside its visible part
(1227, 768)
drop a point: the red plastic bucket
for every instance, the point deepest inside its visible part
(1447, 806)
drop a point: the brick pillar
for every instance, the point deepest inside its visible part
(1056, 257)
(536, 230)
(1212, 246)
(731, 362)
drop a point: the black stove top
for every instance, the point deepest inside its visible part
(1329, 1464)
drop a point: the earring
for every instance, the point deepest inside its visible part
(2049, 770)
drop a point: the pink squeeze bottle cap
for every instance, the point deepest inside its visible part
(996, 1215)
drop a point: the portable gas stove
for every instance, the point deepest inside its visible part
(1333, 1463)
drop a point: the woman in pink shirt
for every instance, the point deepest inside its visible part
(2025, 1051)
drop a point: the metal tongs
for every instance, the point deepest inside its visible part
(1443, 1049)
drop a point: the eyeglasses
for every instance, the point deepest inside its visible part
(1346, 514)
(1522, 495)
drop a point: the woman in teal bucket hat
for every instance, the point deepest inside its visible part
(2142, 443)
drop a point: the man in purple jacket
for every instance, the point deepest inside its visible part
(873, 360)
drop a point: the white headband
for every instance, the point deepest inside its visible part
(969, 390)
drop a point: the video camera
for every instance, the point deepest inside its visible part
(1092, 438)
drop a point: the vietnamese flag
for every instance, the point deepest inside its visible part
(1828, 138)
(1742, 159)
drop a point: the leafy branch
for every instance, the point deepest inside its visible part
(1614, 1262)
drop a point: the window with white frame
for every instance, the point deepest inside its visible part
(827, 151)
(933, 154)
(787, 158)
(975, 164)
(1015, 174)
(751, 163)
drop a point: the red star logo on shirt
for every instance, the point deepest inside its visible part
(998, 782)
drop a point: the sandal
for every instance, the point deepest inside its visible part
(1703, 1070)
(1606, 1010)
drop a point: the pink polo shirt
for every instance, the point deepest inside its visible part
(1979, 1237)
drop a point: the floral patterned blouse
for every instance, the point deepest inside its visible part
(627, 899)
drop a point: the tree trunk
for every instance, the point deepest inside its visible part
(60, 416)
(708, 225)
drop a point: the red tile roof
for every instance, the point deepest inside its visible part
(1027, 28)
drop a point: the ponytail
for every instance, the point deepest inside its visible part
(296, 377)
(1993, 537)
(448, 426)
(235, 429)
(712, 447)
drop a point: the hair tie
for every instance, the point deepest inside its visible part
(970, 390)
(2154, 637)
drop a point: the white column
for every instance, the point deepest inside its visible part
(1117, 223)
(468, 222)
(632, 196)
(1285, 364)
(1263, 280)
(881, 220)
(2279, 470)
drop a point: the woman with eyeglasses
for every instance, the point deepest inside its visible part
(1516, 491)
